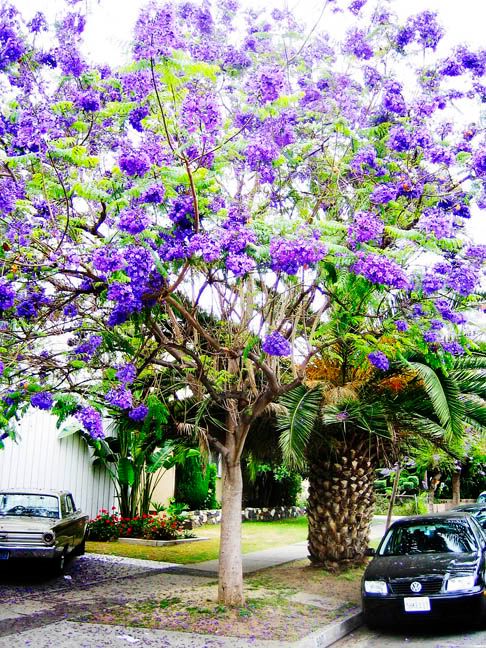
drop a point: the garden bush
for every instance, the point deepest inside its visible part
(106, 526)
(192, 483)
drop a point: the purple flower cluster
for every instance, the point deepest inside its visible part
(270, 82)
(88, 100)
(7, 295)
(383, 194)
(288, 255)
(136, 116)
(156, 33)
(138, 413)
(436, 221)
(379, 269)
(357, 44)
(276, 345)
(393, 100)
(119, 397)
(87, 349)
(42, 400)
(401, 325)
(126, 374)
(107, 259)
(134, 220)
(399, 139)
(134, 163)
(379, 360)
(91, 421)
(366, 226)
(454, 348)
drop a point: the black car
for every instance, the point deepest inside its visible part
(427, 566)
(476, 510)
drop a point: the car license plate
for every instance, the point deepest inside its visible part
(417, 604)
(3, 554)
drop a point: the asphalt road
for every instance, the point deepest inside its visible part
(431, 637)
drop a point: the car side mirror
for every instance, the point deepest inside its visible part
(370, 552)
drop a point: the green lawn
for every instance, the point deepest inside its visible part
(255, 536)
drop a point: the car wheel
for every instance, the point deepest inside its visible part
(80, 550)
(60, 563)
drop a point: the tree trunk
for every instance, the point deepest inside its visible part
(230, 581)
(340, 502)
(456, 487)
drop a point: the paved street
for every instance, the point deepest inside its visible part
(435, 637)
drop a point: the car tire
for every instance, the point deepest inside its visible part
(60, 563)
(80, 550)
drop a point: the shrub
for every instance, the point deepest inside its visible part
(104, 527)
(211, 502)
(133, 527)
(191, 483)
(163, 527)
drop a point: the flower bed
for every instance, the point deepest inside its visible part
(160, 527)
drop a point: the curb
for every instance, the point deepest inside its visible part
(331, 633)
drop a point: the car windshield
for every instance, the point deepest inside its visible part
(440, 537)
(30, 504)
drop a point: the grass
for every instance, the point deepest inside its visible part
(255, 537)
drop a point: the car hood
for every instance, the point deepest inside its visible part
(416, 565)
(26, 523)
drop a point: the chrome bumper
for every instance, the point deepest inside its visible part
(29, 552)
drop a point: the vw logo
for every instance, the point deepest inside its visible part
(416, 587)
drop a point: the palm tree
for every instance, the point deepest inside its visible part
(344, 427)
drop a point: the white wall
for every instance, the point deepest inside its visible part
(40, 460)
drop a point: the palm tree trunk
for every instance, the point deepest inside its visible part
(340, 502)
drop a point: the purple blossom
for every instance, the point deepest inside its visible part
(107, 259)
(393, 100)
(463, 279)
(240, 264)
(87, 349)
(89, 101)
(91, 421)
(383, 194)
(269, 82)
(138, 413)
(430, 336)
(156, 33)
(429, 31)
(154, 194)
(2, 368)
(70, 310)
(378, 269)
(379, 360)
(136, 116)
(288, 255)
(119, 397)
(126, 374)
(436, 221)
(42, 400)
(432, 282)
(134, 220)
(401, 325)
(7, 295)
(399, 139)
(366, 226)
(356, 6)
(454, 348)
(357, 44)
(479, 162)
(134, 163)
(276, 345)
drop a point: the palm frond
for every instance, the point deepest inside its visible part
(441, 395)
(296, 426)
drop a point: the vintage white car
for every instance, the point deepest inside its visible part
(40, 524)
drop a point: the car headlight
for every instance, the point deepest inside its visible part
(375, 587)
(460, 583)
(49, 538)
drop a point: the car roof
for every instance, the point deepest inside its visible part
(431, 518)
(32, 491)
(476, 506)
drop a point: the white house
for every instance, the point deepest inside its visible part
(39, 459)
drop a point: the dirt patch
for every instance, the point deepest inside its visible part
(282, 603)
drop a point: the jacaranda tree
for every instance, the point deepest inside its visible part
(195, 211)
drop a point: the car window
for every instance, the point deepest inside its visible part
(442, 537)
(31, 504)
(69, 505)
